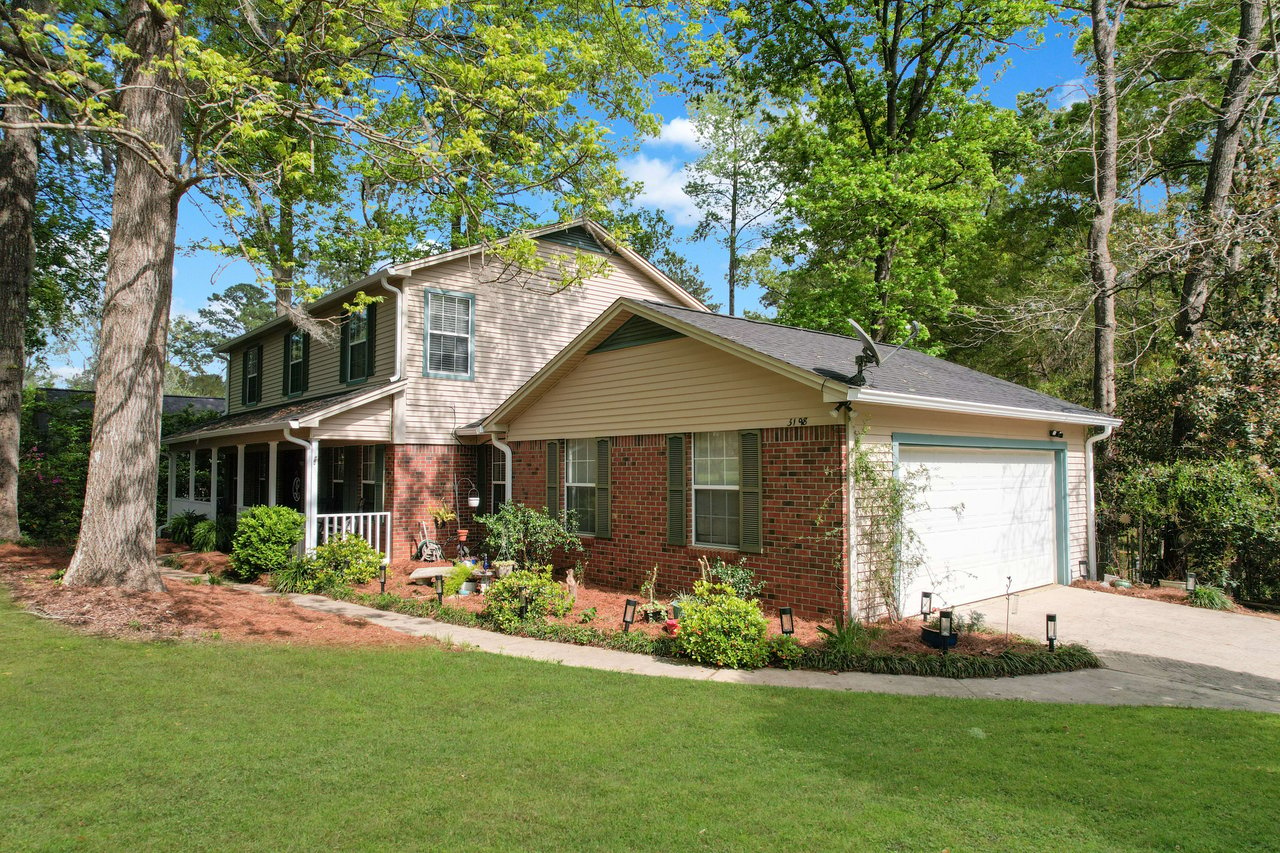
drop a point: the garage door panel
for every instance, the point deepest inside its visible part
(982, 516)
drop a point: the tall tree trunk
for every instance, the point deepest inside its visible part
(282, 269)
(19, 152)
(118, 527)
(1106, 147)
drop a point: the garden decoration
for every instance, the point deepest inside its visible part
(1191, 582)
(382, 578)
(787, 621)
(944, 629)
(1051, 629)
(926, 604)
(439, 584)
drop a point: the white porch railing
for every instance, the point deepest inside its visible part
(372, 527)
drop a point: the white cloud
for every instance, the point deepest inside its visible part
(65, 371)
(1070, 92)
(679, 133)
(663, 186)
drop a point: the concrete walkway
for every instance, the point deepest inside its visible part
(1126, 680)
(1107, 622)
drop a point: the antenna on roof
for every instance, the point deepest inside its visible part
(869, 353)
(915, 330)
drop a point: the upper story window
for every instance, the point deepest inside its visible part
(450, 330)
(716, 488)
(358, 345)
(580, 482)
(297, 347)
(251, 376)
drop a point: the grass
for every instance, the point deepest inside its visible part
(110, 745)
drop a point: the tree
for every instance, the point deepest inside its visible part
(193, 341)
(184, 93)
(886, 155)
(652, 236)
(733, 183)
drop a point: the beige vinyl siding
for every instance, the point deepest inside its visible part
(520, 323)
(671, 386)
(323, 375)
(370, 422)
(880, 422)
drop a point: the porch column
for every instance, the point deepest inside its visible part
(271, 473)
(191, 474)
(310, 493)
(213, 482)
(239, 478)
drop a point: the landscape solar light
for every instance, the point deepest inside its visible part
(629, 613)
(788, 620)
(677, 612)
(1191, 582)
(944, 628)
(382, 577)
(1051, 629)
(524, 603)
(439, 584)
(926, 604)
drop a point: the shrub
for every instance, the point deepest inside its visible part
(204, 537)
(298, 575)
(1209, 597)
(785, 652)
(848, 636)
(455, 579)
(530, 536)
(182, 526)
(350, 559)
(264, 540)
(739, 576)
(722, 629)
(507, 595)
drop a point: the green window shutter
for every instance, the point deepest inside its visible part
(284, 382)
(603, 491)
(371, 345)
(344, 340)
(553, 477)
(676, 501)
(751, 537)
(244, 378)
(306, 361)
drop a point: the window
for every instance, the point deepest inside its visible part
(295, 363)
(204, 474)
(497, 478)
(715, 489)
(580, 482)
(371, 478)
(356, 346)
(251, 376)
(182, 474)
(449, 333)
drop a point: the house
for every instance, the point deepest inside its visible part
(369, 431)
(677, 434)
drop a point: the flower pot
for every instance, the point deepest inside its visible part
(462, 534)
(934, 639)
(468, 588)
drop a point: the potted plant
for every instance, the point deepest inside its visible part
(652, 610)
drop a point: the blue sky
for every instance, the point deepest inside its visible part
(658, 165)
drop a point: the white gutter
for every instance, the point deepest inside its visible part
(965, 407)
(1091, 500)
(311, 471)
(386, 285)
(506, 453)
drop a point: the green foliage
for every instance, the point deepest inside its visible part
(460, 574)
(587, 616)
(182, 527)
(204, 536)
(298, 575)
(533, 590)
(849, 636)
(1209, 597)
(785, 652)
(738, 575)
(265, 540)
(721, 629)
(530, 536)
(1034, 661)
(52, 467)
(348, 558)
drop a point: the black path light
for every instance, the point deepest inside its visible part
(629, 613)
(524, 603)
(788, 620)
(926, 604)
(1051, 629)
(382, 577)
(944, 628)
(439, 584)
(1191, 582)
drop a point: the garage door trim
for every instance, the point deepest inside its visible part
(1059, 449)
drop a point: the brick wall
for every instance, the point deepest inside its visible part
(803, 515)
(421, 476)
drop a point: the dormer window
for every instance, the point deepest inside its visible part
(450, 333)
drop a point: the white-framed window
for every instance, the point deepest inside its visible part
(716, 494)
(182, 474)
(580, 482)
(358, 345)
(450, 326)
(370, 479)
(296, 361)
(497, 479)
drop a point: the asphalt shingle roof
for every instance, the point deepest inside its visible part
(269, 417)
(904, 371)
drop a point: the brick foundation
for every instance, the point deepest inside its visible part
(803, 514)
(421, 476)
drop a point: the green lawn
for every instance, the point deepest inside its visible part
(115, 745)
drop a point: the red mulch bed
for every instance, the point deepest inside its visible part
(184, 611)
(1173, 595)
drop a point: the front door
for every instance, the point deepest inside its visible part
(290, 467)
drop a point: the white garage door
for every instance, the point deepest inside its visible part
(983, 516)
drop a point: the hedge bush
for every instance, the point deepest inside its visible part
(721, 629)
(264, 541)
(533, 590)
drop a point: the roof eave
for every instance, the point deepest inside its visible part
(966, 407)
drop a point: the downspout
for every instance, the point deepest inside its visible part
(506, 453)
(1091, 511)
(311, 471)
(387, 286)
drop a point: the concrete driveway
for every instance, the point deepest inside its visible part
(1137, 626)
